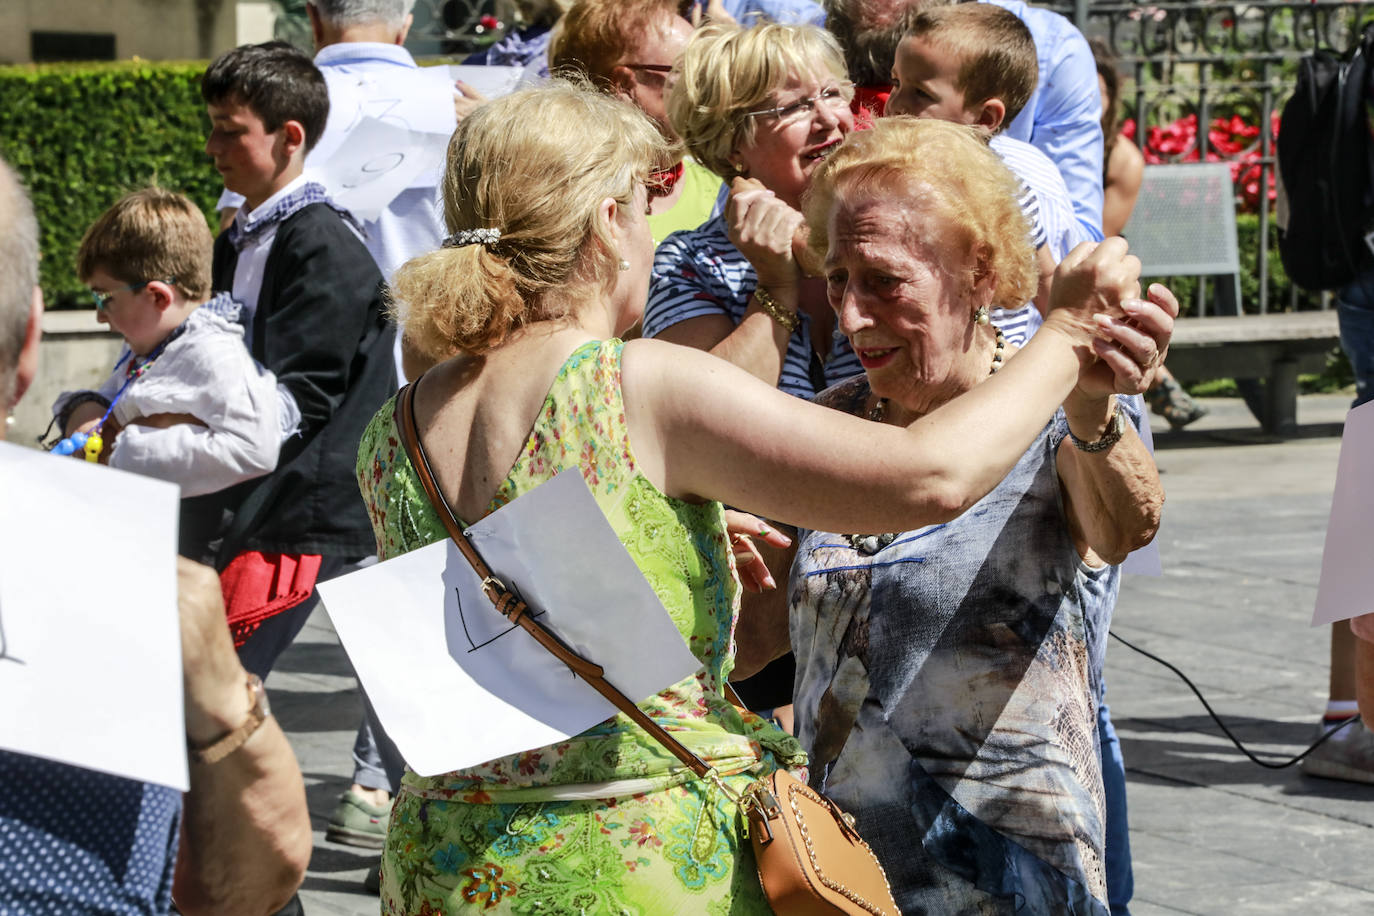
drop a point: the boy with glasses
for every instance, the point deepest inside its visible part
(186, 402)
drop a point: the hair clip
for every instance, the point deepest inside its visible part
(462, 237)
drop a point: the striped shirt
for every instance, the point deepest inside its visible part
(1053, 207)
(1017, 325)
(1030, 208)
(700, 272)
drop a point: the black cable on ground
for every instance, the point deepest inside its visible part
(1222, 725)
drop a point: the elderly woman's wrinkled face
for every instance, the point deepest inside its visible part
(803, 122)
(904, 296)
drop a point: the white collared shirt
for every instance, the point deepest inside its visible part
(248, 275)
(252, 262)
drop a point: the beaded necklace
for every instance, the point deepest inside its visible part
(92, 443)
(872, 543)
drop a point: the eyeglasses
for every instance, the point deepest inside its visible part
(663, 72)
(835, 98)
(102, 300)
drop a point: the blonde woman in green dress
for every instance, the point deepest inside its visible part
(609, 822)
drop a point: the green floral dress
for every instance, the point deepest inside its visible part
(607, 822)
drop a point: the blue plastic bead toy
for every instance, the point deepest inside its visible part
(71, 444)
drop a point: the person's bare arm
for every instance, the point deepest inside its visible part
(1125, 172)
(245, 830)
(84, 417)
(763, 557)
(764, 229)
(1044, 264)
(741, 441)
(757, 344)
(1113, 497)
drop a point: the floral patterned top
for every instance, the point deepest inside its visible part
(682, 550)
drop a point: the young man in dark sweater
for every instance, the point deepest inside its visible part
(313, 308)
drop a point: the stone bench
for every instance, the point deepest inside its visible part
(1273, 347)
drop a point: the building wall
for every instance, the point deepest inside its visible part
(151, 29)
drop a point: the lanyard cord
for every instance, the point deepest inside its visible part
(91, 442)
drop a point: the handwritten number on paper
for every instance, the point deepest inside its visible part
(374, 169)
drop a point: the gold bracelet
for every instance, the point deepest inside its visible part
(779, 314)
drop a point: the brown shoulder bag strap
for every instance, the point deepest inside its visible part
(509, 604)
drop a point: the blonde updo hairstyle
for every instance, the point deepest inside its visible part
(534, 165)
(948, 167)
(727, 71)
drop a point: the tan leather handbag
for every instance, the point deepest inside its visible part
(811, 860)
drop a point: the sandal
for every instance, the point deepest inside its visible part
(1170, 401)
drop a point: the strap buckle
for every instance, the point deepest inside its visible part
(494, 588)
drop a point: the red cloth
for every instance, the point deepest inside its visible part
(871, 100)
(662, 181)
(259, 585)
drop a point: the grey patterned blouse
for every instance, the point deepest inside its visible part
(943, 694)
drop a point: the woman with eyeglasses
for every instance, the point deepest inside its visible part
(628, 48)
(762, 107)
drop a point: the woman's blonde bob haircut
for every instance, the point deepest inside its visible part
(727, 71)
(535, 165)
(943, 166)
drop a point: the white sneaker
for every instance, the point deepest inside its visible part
(1347, 755)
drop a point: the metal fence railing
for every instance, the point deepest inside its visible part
(1209, 79)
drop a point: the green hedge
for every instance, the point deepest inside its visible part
(81, 135)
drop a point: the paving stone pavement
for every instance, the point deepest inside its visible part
(1211, 832)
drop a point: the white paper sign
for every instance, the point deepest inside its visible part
(492, 82)
(1346, 587)
(90, 643)
(454, 683)
(379, 160)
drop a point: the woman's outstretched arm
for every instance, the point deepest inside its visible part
(704, 429)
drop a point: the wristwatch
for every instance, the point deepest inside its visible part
(258, 712)
(1116, 426)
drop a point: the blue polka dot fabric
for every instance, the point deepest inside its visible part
(74, 841)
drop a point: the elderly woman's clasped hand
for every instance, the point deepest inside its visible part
(1096, 297)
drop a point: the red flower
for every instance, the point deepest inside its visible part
(489, 22)
(1230, 139)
